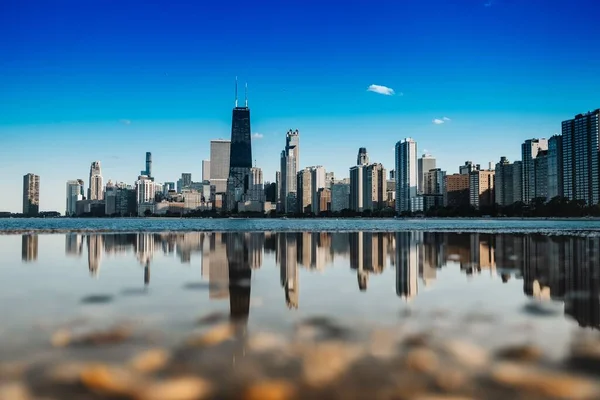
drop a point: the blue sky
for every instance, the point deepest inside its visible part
(73, 72)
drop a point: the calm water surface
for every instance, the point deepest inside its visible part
(489, 289)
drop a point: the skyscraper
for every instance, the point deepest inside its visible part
(363, 157)
(529, 151)
(240, 156)
(374, 187)
(292, 142)
(289, 167)
(304, 187)
(31, 195)
(73, 196)
(205, 170)
(219, 164)
(317, 182)
(148, 171)
(507, 184)
(406, 177)
(580, 157)
(256, 187)
(356, 188)
(481, 188)
(425, 164)
(555, 167)
(96, 187)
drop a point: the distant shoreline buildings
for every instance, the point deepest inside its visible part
(565, 166)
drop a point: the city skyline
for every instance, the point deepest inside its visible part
(461, 81)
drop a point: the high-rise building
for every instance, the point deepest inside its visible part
(374, 187)
(481, 188)
(31, 195)
(468, 168)
(456, 190)
(541, 175)
(256, 187)
(304, 190)
(433, 181)
(292, 142)
(219, 164)
(148, 171)
(407, 177)
(529, 151)
(289, 168)
(555, 167)
(507, 184)
(329, 179)
(73, 196)
(363, 156)
(145, 190)
(278, 187)
(425, 164)
(96, 187)
(205, 170)
(317, 182)
(240, 157)
(580, 157)
(356, 188)
(340, 197)
(324, 200)
(110, 199)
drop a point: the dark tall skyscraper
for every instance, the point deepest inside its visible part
(240, 156)
(148, 170)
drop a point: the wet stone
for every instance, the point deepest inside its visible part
(324, 362)
(467, 354)
(112, 380)
(545, 383)
(150, 361)
(14, 391)
(270, 390)
(422, 360)
(523, 353)
(213, 337)
(451, 379)
(183, 388)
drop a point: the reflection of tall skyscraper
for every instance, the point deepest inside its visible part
(215, 262)
(29, 248)
(144, 248)
(240, 276)
(289, 267)
(407, 270)
(94, 245)
(73, 244)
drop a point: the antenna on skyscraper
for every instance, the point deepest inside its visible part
(236, 104)
(246, 94)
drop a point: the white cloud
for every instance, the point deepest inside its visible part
(381, 90)
(438, 121)
(125, 121)
(257, 136)
(446, 119)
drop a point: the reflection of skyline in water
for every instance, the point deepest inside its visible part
(559, 268)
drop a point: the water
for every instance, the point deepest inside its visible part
(268, 299)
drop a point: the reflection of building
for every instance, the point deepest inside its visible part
(407, 270)
(94, 245)
(288, 262)
(73, 244)
(29, 248)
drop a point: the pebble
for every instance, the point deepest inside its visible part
(383, 343)
(14, 391)
(271, 390)
(467, 354)
(450, 380)
(108, 379)
(184, 388)
(65, 373)
(524, 353)
(214, 336)
(12, 370)
(264, 342)
(61, 338)
(422, 360)
(551, 384)
(440, 397)
(150, 361)
(323, 362)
